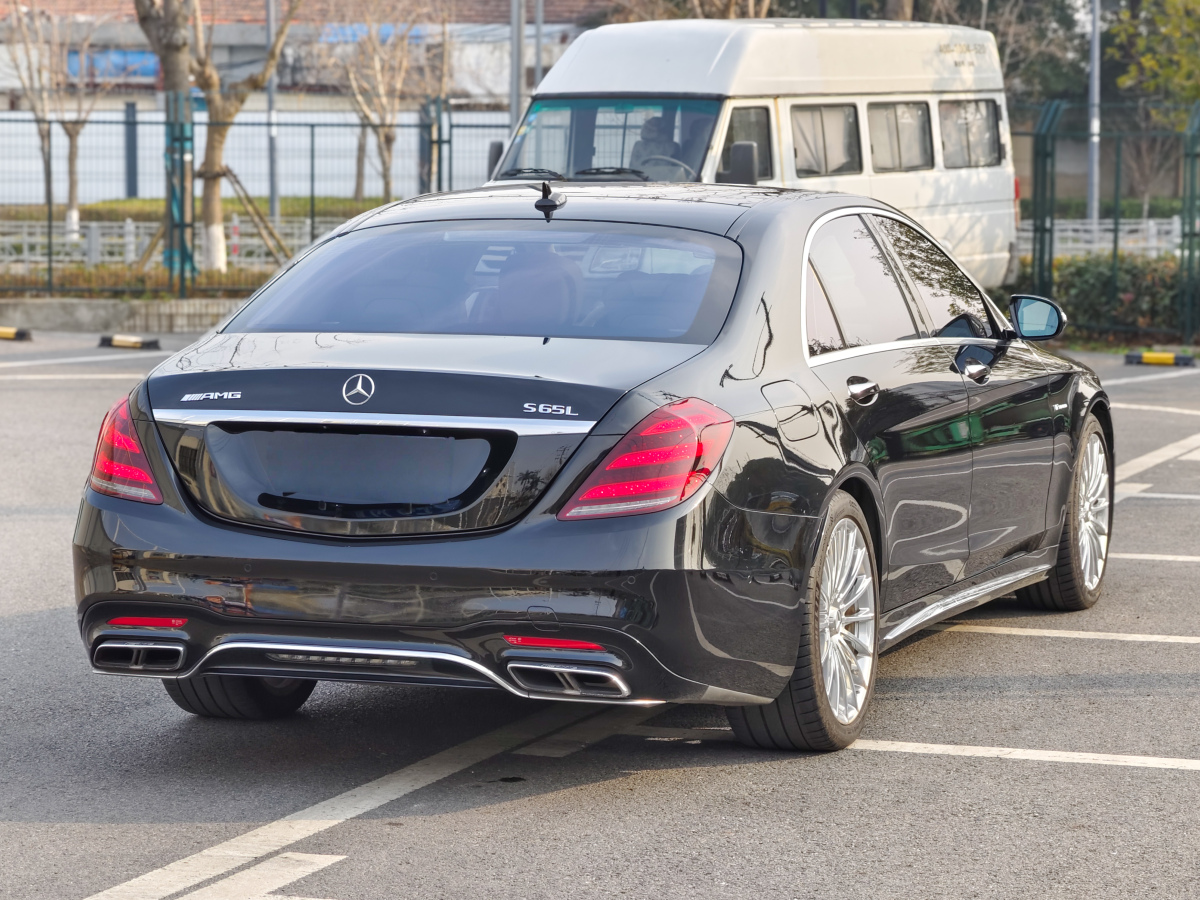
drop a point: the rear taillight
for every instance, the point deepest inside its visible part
(663, 461)
(120, 468)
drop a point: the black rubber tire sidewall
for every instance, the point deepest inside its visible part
(239, 697)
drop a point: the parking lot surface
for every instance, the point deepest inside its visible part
(1016, 754)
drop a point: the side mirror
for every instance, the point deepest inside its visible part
(1036, 318)
(495, 149)
(743, 163)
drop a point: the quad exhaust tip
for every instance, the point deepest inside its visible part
(139, 656)
(569, 680)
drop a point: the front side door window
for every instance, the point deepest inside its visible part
(749, 123)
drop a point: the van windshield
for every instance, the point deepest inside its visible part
(612, 139)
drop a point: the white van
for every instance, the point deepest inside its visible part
(912, 114)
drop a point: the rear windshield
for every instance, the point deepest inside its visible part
(544, 279)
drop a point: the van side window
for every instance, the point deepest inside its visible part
(826, 140)
(862, 288)
(900, 137)
(750, 123)
(970, 133)
(824, 335)
(953, 303)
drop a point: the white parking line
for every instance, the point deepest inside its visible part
(1178, 410)
(1062, 633)
(269, 875)
(1151, 495)
(1182, 373)
(66, 360)
(1096, 759)
(589, 732)
(1149, 460)
(271, 838)
(1155, 557)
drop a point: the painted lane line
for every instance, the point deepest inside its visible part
(1184, 373)
(1178, 410)
(1151, 495)
(269, 875)
(1139, 464)
(1126, 489)
(1096, 759)
(83, 376)
(590, 731)
(1194, 456)
(66, 360)
(1155, 557)
(1063, 633)
(273, 837)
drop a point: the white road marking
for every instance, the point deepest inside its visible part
(1096, 759)
(1178, 410)
(1139, 464)
(1128, 489)
(1182, 373)
(273, 837)
(260, 880)
(1194, 456)
(1151, 495)
(588, 732)
(1155, 557)
(66, 360)
(1062, 633)
(82, 376)
(655, 732)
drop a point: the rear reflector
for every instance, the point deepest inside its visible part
(120, 468)
(544, 643)
(661, 462)
(148, 622)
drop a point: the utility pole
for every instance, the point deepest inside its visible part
(516, 89)
(983, 16)
(1093, 189)
(539, 19)
(272, 123)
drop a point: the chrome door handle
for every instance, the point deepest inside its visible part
(976, 371)
(861, 391)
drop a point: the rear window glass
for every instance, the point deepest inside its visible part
(556, 279)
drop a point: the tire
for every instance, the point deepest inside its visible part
(239, 697)
(1074, 583)
(803, 717)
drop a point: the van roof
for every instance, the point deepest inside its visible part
(776, 57)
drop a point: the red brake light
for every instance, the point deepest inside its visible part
(543, 643)
(120, 468)
(662, 461)
(148, 622)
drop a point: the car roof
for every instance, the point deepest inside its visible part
(713, 208)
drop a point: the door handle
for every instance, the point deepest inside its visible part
(976, 371)
(862, 392)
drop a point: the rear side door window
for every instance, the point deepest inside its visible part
(824, 335)
(970, 133)
(901, 140)
(826, 140)
(953, 305)
(863, 289)
(750, 123)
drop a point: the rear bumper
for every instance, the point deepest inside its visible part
(701, 603)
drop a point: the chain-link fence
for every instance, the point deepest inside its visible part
(103, 232)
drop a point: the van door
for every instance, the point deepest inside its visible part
(823, 146)
(748, 120)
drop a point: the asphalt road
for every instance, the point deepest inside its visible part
(385, 792)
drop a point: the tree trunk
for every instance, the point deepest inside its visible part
(385, 140)
(360, 164)
(72, 130)
(899, 9)
(47, 164)
(215, 259)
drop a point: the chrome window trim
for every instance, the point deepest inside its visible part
(202, 417)
(852, 352)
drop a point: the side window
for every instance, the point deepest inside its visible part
(826, 140)
(970, 133)
(750, 123)
(953, 303)
(823, 332)
(861, 286)
(900, 137)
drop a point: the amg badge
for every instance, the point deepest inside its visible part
(212, 395)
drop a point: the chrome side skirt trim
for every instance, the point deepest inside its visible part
(962, 601)
(202, 417)
(392, 653)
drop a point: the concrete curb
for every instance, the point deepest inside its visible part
(144, 316)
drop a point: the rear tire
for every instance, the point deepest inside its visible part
(1075, 581)
(825, 702)
(239, 697)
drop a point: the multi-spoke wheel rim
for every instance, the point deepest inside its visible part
(846, 621)
(1092, 511)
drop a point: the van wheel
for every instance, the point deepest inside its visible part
(238, 696)
(825, 702)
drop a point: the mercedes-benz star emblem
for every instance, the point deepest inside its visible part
(358, 389)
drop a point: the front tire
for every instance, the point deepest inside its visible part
(238, 696)
(825, 702)
(1075, 581)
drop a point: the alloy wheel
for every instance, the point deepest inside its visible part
(846, 621)
(1093, 511)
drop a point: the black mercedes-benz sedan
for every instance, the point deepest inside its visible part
(609, 443)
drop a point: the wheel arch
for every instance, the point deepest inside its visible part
(858, 482)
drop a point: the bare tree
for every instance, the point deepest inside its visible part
(166, 24)
(29, 56)
(1151, 158)
(899, 9)
(223, 106)
(645, 10)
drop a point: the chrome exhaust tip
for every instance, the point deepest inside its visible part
(138, 656)
(567, 679)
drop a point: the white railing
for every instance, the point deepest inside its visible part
(1079, 237)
